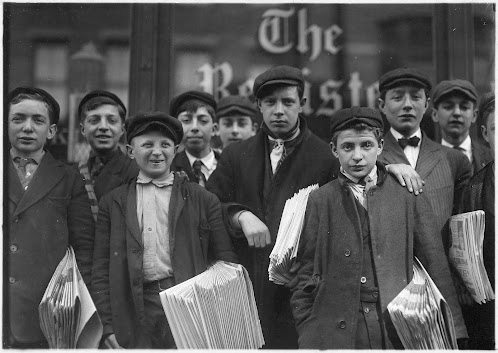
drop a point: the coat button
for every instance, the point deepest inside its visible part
(12, 280)
(13, 248)
(16, 219)
(363, 280)
(342, 324)
(347, 253)
(367, 310)
(375, 294)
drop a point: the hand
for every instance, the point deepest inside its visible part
(255, 231)
(111, 342)
(293, 271)
(407, 176)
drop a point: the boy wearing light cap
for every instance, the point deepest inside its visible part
(455, 109)
(236, 117)
(353, 247)
(152, 233)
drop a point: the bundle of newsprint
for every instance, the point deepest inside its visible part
(68, 317)
(420, 314)
(289, 232)
(214, 310)
(466, 256)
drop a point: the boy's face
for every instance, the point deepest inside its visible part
(29, 127)
(198, 129)
(357, 151)
(281, 109)
(235, 128)
(153, 151)
(103, 127)
(404, 107)
(455, 114)
(488, 131)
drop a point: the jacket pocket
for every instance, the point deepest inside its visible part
(313, 285)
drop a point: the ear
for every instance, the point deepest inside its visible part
(474, 116)
(333, 147)
(82, 129)
(175, 149)
(129, 151)
(484, 132)
(302, 103)
(52, 130)
(434, 115)
(214, 130)
(382, 105)
(381, 147)
(254, 128)
(258, 103)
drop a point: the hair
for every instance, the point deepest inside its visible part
(37, 97)
(237, 113)
(267, 90)
(452, 94)
(95, 102)
(384, 91)
(191, 106)
(485, 115)
(359, 127)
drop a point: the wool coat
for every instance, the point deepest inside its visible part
(239, 181)
(53, 213)
(481, 156)
(197, 236)
(327, 300)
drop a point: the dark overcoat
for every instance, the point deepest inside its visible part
(481, 156)
(51, 214)
(239, 182)
(326, 302)
(197, 236)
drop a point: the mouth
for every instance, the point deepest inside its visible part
(456, 122)
(103, 137)
(157, 161)
(234, 139)
(357, 168)
(407, 116)
(27, 139)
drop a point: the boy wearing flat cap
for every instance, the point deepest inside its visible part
(480, 195)
(404, 99)
(455, 109)
(152, 233)
(102, 117)
(236, 118)
(196, 111)
(48, 211)
(352, 249)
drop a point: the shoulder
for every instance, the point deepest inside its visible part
(325, 192)
(478, 178)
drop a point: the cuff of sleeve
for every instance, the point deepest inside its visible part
(231, 211)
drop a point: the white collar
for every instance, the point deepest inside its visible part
(466, 144)
(372, 175)
(397, 135)
(208, 160)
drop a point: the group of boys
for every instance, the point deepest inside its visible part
(145, 219)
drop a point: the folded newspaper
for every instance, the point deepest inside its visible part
(289, 232)
(466, 254)
(68, 317)
(214, 310)
(420, 314)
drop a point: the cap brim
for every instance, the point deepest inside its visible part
(277, 81)
(234, 110)
(466, 92)
(399, 81)
(160, 127)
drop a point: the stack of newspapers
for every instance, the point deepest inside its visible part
(289, 232)
(214, 310)
(420, 314)
(68, 317)
(466, 256)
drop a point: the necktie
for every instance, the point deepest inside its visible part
(277, 154)
(97, 167)
(459, 149)
(23, 162)
(412, 141)
(199, 175)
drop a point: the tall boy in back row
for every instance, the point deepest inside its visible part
(360, 234)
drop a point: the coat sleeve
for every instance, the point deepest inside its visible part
(100, 269)
(428, 247)
(463, 172)
(81, 227)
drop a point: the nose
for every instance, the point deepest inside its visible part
(235, 129)
(28, 125)
(156, 151)
(357, 155)
(457, 110)
(103, 125)
(195, 125)
(279, 108)
(408, 104)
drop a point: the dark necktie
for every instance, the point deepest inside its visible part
(412, 141)
(23, 162)
(199, 175)
(461, 149)
(97, 167)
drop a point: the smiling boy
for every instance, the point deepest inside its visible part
(152, 233)
(360, 234)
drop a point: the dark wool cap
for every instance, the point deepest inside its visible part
(487, 100)
(347, 116)
(447, 86)
(397, 77)
(47, 98)
(177, 101)
(154, 121)
(99, 93)
(236, 104)
(279, 74)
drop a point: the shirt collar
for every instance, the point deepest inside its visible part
(160, 182)
(372, 175)
(37, 157)
(397, 135)
(466, 144)
(208, 160)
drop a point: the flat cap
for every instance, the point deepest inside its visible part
(487, 100)
(99, 93)
(279, 74)
(399, 76)
(236, 104)
(177, 101)
(154, 121)
(344, 117)
(447, 86)
(47, 98)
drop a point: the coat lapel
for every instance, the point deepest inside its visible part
(256, 168)
(176, 205)
(427, 157)
(128, 203)
(393, 153)
(47, 176)
(15, 190)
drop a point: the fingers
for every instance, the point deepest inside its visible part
(295, 267)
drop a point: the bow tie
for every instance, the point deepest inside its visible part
(142, 179)
(412, 141)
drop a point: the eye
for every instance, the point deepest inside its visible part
(147, 144)
(346, 147)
